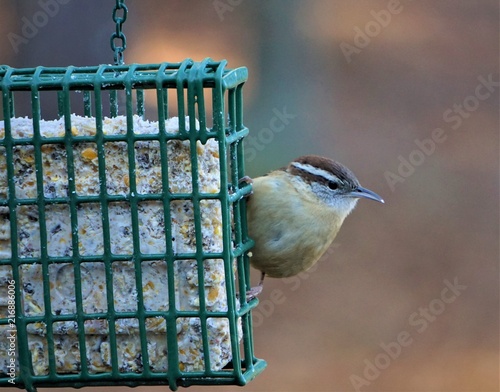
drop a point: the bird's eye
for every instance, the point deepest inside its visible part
(333, 185)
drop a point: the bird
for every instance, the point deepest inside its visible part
(294, 214)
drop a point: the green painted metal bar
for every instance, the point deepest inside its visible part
(103, 201)
(219, 122)
(87, 104)
(193, 97)
(113, 103)
(25, 363)
(73, 206)
(104, 204)
(141, 103)
(134, 203)
(37, 150)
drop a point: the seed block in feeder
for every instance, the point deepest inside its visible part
(110, 227)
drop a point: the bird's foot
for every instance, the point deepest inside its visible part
(246, 180)
(253, 292)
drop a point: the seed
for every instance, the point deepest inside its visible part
(89, 154)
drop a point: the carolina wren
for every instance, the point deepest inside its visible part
(294, 214)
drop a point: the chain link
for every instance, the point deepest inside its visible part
(118, 37)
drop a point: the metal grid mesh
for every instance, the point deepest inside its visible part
(198, 88)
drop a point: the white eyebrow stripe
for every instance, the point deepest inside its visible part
(315, 171)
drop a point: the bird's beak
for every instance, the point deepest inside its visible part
(366, 193)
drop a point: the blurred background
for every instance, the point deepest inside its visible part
(406, 94)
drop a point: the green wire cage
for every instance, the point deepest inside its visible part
(123, 241)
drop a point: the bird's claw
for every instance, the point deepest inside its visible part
(246, 179)
(253, 293)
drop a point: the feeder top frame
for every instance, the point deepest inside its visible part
(111, 77)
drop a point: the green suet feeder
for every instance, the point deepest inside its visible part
(123, 239)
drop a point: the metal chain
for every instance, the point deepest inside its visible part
(118, 34)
